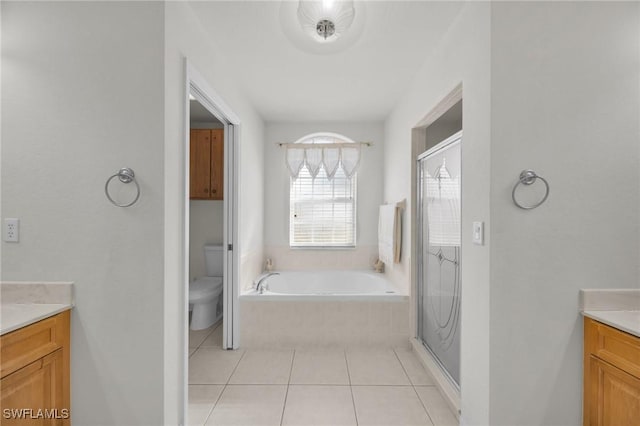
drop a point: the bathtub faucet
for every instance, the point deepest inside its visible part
(260, 284)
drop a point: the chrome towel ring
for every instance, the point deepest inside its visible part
(528, 177)
(126, 175)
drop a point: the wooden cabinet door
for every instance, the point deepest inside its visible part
(217, 164)
(37, 387)
(200, 164)
(614, 398)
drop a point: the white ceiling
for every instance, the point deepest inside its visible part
(362, 82)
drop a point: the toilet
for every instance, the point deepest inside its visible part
(205, 293)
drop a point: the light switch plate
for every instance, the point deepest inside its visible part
(478, 233)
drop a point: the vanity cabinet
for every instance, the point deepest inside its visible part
(611, 376)
(206, 164)
(35, 373)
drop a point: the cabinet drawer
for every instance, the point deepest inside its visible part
(615, 347)
(30, 343)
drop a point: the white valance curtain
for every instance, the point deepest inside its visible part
(330, 156)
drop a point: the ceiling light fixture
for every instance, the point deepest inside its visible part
(325, 20)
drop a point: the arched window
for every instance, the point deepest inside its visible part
(322, 191)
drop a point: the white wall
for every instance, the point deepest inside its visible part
(185, 37)
(542, 89)
(92, 74)
(463, 56)
(205, 227)
(565, 102)
(276, 189)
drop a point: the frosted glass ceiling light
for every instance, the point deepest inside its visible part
(325, 20)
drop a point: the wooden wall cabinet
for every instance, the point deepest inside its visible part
(611, 376)
(35, 373)
(207, 164)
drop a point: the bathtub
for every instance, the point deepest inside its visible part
(300, 309)
(326, 285)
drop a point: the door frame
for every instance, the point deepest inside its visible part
(450, 393)
(197, 86)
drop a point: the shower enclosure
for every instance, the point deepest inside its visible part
(438, 245)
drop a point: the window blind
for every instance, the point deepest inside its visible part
(322, 210)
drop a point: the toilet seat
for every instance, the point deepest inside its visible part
(204, 288)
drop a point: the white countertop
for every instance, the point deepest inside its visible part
(627, 321)
(26, 302)
(619, 308)
(14, 316)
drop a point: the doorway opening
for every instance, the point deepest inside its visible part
(206, 224)
(436, 224)
(210, 263)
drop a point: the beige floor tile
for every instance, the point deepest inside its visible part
(375, 367)
(319, 405)
(215, 338)
(202, 398)
(196, 337)
(389, 406)
(436, 406)
(212, 365)
(413, 367)
(319, 367)
(263, 367)
(246, 405)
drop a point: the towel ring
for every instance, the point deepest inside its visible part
(528, 177)
(126, 175)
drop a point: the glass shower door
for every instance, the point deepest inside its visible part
(439, 284)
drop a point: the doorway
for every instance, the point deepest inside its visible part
(436, 154)
(212, 209)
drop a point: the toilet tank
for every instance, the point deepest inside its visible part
(213, 259)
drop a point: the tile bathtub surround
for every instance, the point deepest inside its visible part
(319, 388)
(610, 300)
(22, 292)
(300, 325)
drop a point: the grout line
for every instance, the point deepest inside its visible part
(206, 337)
(353, 401)
(189, 360)
(284, 406)
(224, 388)
(383, 385)
(414, 388)
(403, 368)
(423, 406)
(214, 404)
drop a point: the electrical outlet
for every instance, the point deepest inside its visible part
(11, 230)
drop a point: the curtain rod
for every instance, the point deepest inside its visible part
(322, 145)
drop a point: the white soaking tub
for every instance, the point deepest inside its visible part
(325, 285)
(300, 309)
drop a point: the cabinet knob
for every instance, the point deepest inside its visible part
(214, 191)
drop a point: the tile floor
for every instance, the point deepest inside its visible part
(309, 387)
